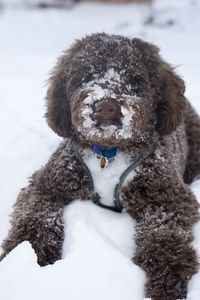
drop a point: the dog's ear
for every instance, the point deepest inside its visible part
(168, 86)
(171, 107)
(58, 108)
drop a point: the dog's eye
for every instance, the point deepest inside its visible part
(136, 82)
(138, 79)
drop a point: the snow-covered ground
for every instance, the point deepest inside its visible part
(98, 247)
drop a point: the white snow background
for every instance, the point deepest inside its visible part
(99, 244)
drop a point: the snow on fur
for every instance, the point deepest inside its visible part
(98, 246)
(96, 92)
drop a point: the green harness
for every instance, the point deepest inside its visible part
(118, 205)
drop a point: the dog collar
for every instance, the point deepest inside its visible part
(106, 155)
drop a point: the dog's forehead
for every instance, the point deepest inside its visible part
(113, 64)
(107, 85)
(114, 84)
(102, 52)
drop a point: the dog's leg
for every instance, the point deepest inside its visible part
(165, 210)
(37, 218)
(168, 259)
(39, 208)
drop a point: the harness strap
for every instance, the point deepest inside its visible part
(118, 207)
(94, 196)
(133, 166)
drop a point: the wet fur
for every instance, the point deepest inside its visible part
(158, 197)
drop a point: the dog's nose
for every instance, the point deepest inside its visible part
(107, 112)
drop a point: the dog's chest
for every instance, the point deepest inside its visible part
(105, 180)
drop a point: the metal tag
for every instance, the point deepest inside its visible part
(103, 162)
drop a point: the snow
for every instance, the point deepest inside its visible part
(99, 244)
(29, 3)
(96, 263)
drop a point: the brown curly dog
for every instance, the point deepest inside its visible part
(115, 95)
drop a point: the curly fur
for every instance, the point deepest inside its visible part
(164, 129)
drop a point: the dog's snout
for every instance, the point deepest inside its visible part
(107, 112)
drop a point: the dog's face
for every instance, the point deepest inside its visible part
(115, 92)
(110, 111)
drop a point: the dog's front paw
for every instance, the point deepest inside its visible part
(47, 243)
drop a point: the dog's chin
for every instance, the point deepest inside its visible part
(110, 142)
(105, 143)
(108, 136)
